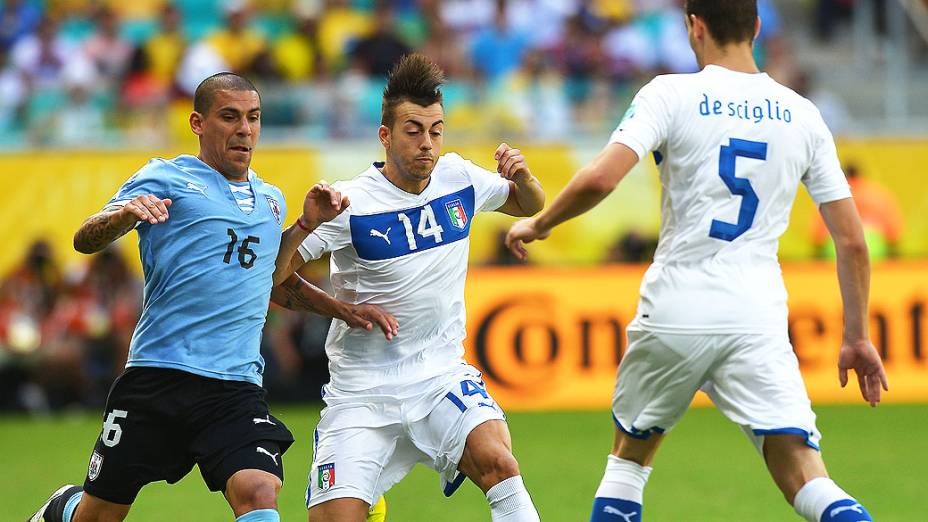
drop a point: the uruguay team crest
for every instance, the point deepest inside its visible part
(456, 214)
(96, 463)
(275, 207)
(326, 476)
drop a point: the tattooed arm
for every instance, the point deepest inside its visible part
(113, 222)
(297, 294)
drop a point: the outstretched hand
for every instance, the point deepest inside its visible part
(148, 208)
(524, 231)
(365, 316)
(323, 203)
(863, 358)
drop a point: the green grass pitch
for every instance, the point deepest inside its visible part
(705, 471)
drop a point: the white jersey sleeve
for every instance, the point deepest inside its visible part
(825, 180)
(490, 189)
(647, 123)
(327, 237)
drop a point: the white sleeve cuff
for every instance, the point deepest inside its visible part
(628, 141)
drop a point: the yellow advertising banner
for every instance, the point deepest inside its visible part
(552, 338)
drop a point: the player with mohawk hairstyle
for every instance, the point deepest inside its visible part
(403, 245)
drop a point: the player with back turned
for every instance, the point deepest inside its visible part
(210, 242)
(732, 146)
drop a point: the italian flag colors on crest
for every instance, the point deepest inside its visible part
(456, 214)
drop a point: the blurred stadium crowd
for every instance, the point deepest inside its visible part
(65, 332)
(109, 74)
(114, 74)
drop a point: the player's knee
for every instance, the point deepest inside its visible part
(255, 492)
(498, 468)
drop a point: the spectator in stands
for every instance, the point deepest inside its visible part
(377, 53)
(237, 43)
(340, 26)
(443, 47)
(629, 51)
(18, 18)
(879, 212)
(498, 50)
(27, 296)
(580, 55)
(42, 57)
(536, 95)
(466, 18)
(163, 51)
(12, 94)
(109, 298)
(296, 54)
(107, 50)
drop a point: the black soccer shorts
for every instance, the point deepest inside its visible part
(159, 422)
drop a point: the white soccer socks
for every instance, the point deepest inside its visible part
(821, 500)
(621, 491)
(510, 502)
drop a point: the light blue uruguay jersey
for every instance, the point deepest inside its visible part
(208, 270)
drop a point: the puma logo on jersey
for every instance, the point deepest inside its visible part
(273, 456)
(266, 420)
(193, 186)
(382, 235)
(613, 511)
(857, 508)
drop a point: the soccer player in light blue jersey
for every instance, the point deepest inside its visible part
(732, 146)
(210, 239)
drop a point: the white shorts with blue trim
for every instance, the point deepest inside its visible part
(365, 444)
(753, 379)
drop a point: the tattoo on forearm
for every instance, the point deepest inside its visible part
(295, 298)
(99, 231)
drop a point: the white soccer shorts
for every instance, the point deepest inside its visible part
(363, 447)
(753, 379)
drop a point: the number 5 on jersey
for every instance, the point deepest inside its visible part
(738, 186)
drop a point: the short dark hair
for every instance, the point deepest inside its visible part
(414, 78)
(729, 21)
(224, 81)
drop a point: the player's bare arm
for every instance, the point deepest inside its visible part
(587, 189)
(526, 196)
(114, 221)
(857, 352)
(323, 203)
(295, 293)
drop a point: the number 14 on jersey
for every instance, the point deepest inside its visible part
(428, 226)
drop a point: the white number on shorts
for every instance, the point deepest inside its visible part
(112, 432)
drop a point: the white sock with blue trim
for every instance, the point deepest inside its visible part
(260, 515)
(821, 500)
(621, 492)
(510, 502)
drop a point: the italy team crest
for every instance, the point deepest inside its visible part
(96, 463)
(275, 207)
(456, 214)
(326, 476)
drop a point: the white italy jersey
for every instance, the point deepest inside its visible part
(732, 149)
(408, 254)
